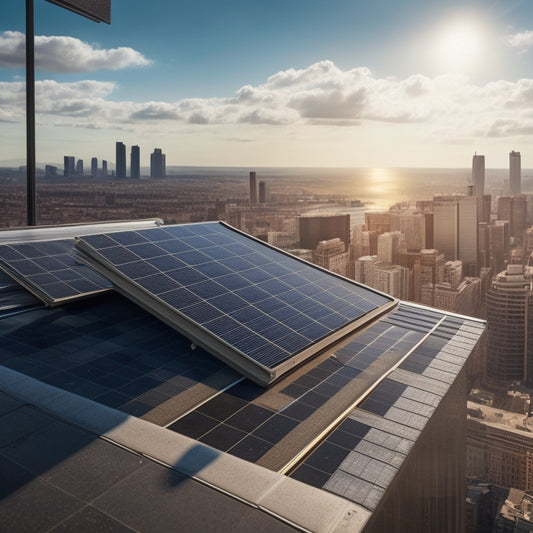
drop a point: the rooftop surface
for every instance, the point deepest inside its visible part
(101, 383)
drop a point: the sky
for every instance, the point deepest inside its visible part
(303, 83)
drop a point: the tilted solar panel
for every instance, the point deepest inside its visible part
(48, 269)
(259, 309)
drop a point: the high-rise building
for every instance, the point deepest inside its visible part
(412, 225)
(316, 228)
(264, 192)
(378, 222)
(158, 168)
(453, 273)
(518, 217)
(79, 167)
(253, 188)
(498, 242)
(478, 175)
(120, 160)
(364, 269)
(467, 237)
(69, 165)
(50, 171)
(391, 279)
(389, 246)
(104, 167)
(332, 255)
(94, 167)
(445, 226)
(463, 299)
(428, 271)
(135, 162)
(509, 329)
(515, 174)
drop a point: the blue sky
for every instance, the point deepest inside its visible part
(278, 83)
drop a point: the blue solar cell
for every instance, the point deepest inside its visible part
(29, 251)
(274, 286)
(254, 275)
(193, 257)
(201, 312)
(27, 267)
(100, 241)
(188, 276)
(40, 279)
(50, 264)
(207, 289)
(157, 283)
(213, 269)
(239, 264)
(173, 246)
(138, 269)
(314, 330)
(197, 242)
(180, 298)
(167, 263)
(253, 294)
(228, 302)
(117, 255)
(129, 237)
(146, 250)
(233, 281)
(219, 253)
(9, 254)
(276, 270)
(334, 321)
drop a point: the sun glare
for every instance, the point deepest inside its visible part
(458, 46)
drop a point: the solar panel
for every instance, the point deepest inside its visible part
(49, 271)
(42, 259)
(226, 277)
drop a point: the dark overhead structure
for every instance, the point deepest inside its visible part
(97, 10)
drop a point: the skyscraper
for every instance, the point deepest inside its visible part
(120, 160)
(264, 192)
(158, 166)
(94, 167)
(314, 229)
(79, 167)
(253, 188)
(135, 162)
(445, 226)
(467, 249)
(69, 165)
(515, 170)
(104, 167)
(509, 335)
(478, 174)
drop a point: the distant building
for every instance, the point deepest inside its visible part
(135, 162)
(69, 165)
(264, 192)
(253, 188)
(94, 167)
(50, 171)
(378, 222)
(316, 228)
(515, 171)
(412, 225)
(467, 238)
(445, 226)
(509, 328)
(428, 270)
(104, 167)
(364, 269)
(120, 160)
(158, 166)
(478, 175)
(391, 279)
(389, 246)
(332, 255)
(463, 298)
(79, 167)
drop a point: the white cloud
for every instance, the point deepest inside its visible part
(65, 54)
(522, 41)
(319, 95)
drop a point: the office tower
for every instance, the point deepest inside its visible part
(509, 330)
(428, 271)
(158, 164)
(413, 227)
(453, 273)
(463, 298)
(332, 255)
(50, 171)
(467, 243)
(515, 174)
(478, 175)
(498, 242)
(389, 246)
(264, 192)
(378, 222)
(503, 208)
(498, 452)
(69, 165)
(135, 162)
(316, 228)
(364, 269)
(253, 188)
(120, 160)
(391, 279)
(428, 223)
(486, 208)
(483, 255)
(445, 226)
(104, 167)
(79, 167)
(518, 217)
(94, 167)
(366, 243)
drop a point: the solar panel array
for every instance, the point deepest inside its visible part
(261, 302)
(360, 457)
(48, 269)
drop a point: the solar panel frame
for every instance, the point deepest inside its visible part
(262, 353)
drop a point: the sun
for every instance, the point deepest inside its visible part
(458, 46)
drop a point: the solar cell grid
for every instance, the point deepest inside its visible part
(249, 276)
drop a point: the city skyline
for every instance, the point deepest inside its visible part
(413, 85)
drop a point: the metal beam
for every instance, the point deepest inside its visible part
(30, 114)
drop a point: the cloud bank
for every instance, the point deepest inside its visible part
(65, 54)
(321, 94)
